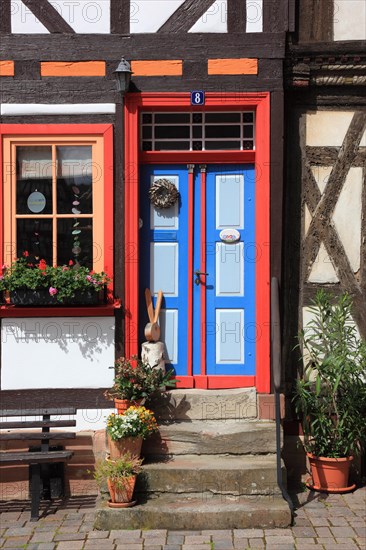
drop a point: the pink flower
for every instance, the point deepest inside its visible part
(89, 278)
(65, 268)
(52, 290)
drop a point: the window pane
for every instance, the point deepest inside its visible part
(75, 241)
(171, 145)
(165, 132)
(222, 117)
(147, 145)
(172, 118)
(34, 180)
(248, 117)
(248, 131)
(147, 118)
(197, 131)
(35, 237)
(222, 131)
(212, 145)
(147, 132)
(74, 180)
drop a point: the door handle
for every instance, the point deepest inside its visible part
(198, 280)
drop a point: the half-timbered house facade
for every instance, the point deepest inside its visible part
(205, 110)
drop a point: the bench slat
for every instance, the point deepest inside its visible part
(38, 424)
(39, 435)
(35, 458)
(37, 412)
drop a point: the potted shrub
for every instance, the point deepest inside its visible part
(136, 381)
(37, 284)
(127, 431)
(331, 395)
(120, 476)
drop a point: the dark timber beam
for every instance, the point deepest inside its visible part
(236, 16)
(120, 16)
(275, 16)
(186, 16)
(80, 47)
(277, 133)
(5, 16)
(48, 16)
(316, 20)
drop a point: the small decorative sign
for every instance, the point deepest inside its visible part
(197, 97)
(229, 236)
(36, 202)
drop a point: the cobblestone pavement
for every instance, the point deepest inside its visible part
(330, 522)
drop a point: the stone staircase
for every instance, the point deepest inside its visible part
(212, 466)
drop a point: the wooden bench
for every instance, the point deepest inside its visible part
(43, 456)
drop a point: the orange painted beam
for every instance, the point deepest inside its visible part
(70, 68)
(6, 68)
(162, 67)
(233, 66)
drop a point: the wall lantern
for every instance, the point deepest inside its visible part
(123, 76)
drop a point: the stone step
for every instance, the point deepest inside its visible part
(191, 512)
(210, 475)
(196, 404)
(207, 437)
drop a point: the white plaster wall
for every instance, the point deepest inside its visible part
(84, 16)
(86, 419)
(321, 175)
(23, 21)
(349, 21)
(214, 20)
(150, 15)
(328, 128)
(347, 216)
(254, 16)
(61, 352)
(307, 220)
(323, 270)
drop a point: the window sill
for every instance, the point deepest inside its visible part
(105, 310)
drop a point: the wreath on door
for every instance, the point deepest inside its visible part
(163, 193)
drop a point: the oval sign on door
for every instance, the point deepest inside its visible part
(229, 236)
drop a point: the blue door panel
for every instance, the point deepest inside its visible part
(229, 334)
(178, 238)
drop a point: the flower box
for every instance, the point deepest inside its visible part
(42, 297)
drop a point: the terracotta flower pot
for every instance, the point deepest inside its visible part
(330, 474)
(126, 444)
(123, 404)
(121, 496)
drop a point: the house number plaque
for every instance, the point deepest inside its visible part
(229, 236)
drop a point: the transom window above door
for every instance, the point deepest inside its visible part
(198, 131)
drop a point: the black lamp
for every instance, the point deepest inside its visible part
(123, 76)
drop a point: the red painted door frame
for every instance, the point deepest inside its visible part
(260, 102)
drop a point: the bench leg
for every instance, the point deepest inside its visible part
(35, 486)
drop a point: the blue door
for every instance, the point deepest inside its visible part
(201, 253)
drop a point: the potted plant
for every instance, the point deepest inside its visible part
(331, 395)
(120, 476)
(34, 284)
(127, 431)
(136, 381)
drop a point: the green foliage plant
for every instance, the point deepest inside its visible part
(62, 282)
(331, 395)
(135, 422)
(136, 380)
(117, 470)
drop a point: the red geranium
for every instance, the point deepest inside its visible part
(42, 265)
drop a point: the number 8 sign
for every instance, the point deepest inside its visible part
(197, 97)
